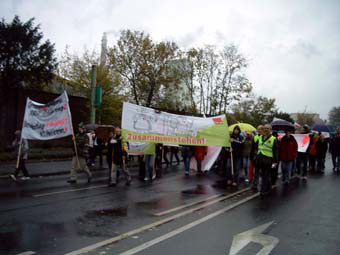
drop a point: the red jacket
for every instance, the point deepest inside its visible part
(200, 152)
(288, 148)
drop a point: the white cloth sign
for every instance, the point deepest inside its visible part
(47, 121)
(209, 159)
(302, 140)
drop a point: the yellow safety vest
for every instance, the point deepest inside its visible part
(256, 138)
(266, 148)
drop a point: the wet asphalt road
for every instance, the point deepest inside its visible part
(44, 216)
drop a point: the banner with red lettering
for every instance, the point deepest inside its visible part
(47, 121)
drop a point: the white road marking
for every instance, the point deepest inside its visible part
(149, 226)
(69, 190)
(27, 253)
(186, 227)
(255, 235)
(186, 205)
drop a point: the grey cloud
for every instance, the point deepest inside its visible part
(307, 49)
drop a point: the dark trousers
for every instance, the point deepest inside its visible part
(22, 167)
(334, 161)
(265, 167)
(274, 174)
(320, 163)
(176, 156)
(97, 150)
(301, 163)
(159, 160)
(312, 161)
(199, 165)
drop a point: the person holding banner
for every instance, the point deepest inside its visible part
(82, 149)
(187, 153)
(302, 158)
(237, 143)
(149, 157)
(199, 153)
(21, 147)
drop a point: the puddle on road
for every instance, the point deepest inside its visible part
(200, 190)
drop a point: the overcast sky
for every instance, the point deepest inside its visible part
(293, 46)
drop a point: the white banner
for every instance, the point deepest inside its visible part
(302, 140)
(142, 124)
(209, 159)
(47, 121)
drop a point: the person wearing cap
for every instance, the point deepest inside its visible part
(266, 158)
(23, 156)
(82, 144)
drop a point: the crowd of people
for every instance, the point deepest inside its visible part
(253, 156)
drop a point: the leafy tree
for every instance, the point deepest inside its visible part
(24, 57)
(334, 116)
(77, 72)
(304, 118)
(145, 66)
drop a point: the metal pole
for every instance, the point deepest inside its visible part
(93, 95)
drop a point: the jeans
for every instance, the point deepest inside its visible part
(302, 160)
(245, 165)
(237, 166)
(187, 164)
(149, 165)
(287, 170)
(172, 156)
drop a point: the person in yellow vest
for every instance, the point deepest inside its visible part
(253, 154)
(266, 158)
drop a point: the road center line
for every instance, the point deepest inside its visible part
(69, 190)
(152, 225)
(186, 227)
(187, 205)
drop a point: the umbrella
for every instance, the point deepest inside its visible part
(279, 124)
(91, 126)
(243, 126)
(321, 128)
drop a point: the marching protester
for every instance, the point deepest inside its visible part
(82, 144)
(321, 147)
(246, 155)
(174, 152)
(158, 160)
(302, 158)
(312, 153)
(97, 149)
(288, 152)
(22, 157)
(187, 153)
(237, 142)
(149, 157)
(200, 152)
(165, 153)
(266, 158)
(335, 151)
(253, 156)
(117, 156)
(275, 170)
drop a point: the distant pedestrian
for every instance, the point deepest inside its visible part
(288, 152)
(200, 152)
(82, 144)
(312, 152)
(117, 148)
(22, 158)
(321, 150)
(187, 153)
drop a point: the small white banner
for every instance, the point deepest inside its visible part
(47, 121)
